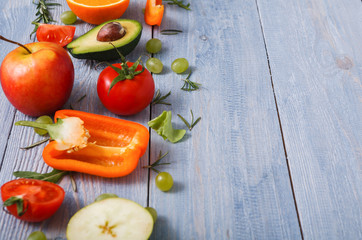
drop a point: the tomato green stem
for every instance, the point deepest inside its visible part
(10, 41)
(125, 72)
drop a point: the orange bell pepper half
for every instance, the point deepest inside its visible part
(113, 149)
(154, 12)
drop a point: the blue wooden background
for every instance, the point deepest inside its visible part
(277, 154)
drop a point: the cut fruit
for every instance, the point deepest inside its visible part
(98, 11)
(61, 35)
(111, 219)
(88, 47)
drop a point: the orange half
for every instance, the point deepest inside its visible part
(98, 11)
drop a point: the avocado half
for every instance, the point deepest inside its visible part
(88, 47)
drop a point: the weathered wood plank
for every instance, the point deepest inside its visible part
(231, 179)
(133, 187)
(315, 54)
(8, 22)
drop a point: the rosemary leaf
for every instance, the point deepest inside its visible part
(197, 120)
(157, 162)
(193, 123)
(185, 121)
(159, 99)
(54, 176)
(190, 85)
(43, 14)
(35, 144)
(170, 31)
(179, 3)
(79, 100)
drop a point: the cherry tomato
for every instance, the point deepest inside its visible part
(40, 199)
(126, 97)
(61, 35)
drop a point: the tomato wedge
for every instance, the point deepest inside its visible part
(61, 35)
(32, 200)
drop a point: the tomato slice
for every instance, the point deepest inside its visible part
(41, 199)
(61, 35)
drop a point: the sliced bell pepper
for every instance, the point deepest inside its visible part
(113, 148)
(154, 12)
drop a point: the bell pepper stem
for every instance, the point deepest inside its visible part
(44, 126)
(52, 128)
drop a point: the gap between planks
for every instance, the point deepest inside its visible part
(149, 142)
(280, 123)
(7, 139)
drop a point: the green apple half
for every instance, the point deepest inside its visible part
(111, 219)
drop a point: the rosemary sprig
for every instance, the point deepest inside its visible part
(193, 123)
(42, 14)
(157, 162)
(179, 3)
(35, 144)
(159, 99)
(190, 85)
(79, 100)
(170, 31)
(54, 176)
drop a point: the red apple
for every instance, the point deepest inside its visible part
(40, 82)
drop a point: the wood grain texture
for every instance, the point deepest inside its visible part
(231, 173)
(133, 187)
(231, 179)
(9, 21)
(315, 54)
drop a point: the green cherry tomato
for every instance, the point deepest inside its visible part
(68, 17)
(153, 45)
(105, 195)
(154, 65)
(180, 65)
(43, 119)
(38, 235)
(164, 181)
(153, 213)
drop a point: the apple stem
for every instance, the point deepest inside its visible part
(10, 41)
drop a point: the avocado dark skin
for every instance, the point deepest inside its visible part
(124, 34)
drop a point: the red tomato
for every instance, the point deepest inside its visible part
(61, 35)
(126, 97)
(41, 199)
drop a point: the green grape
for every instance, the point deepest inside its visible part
(180, 65)
(153, 213)
(164, 181)
(154, 65)
(68, 17)
(42, 119)
(153, 45)
(37, 235)
(105, 195)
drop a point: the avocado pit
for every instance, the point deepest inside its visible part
(111, 32)
(87, 46)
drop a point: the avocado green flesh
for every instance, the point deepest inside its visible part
(88, 47)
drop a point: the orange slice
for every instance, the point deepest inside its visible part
(98, 11)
